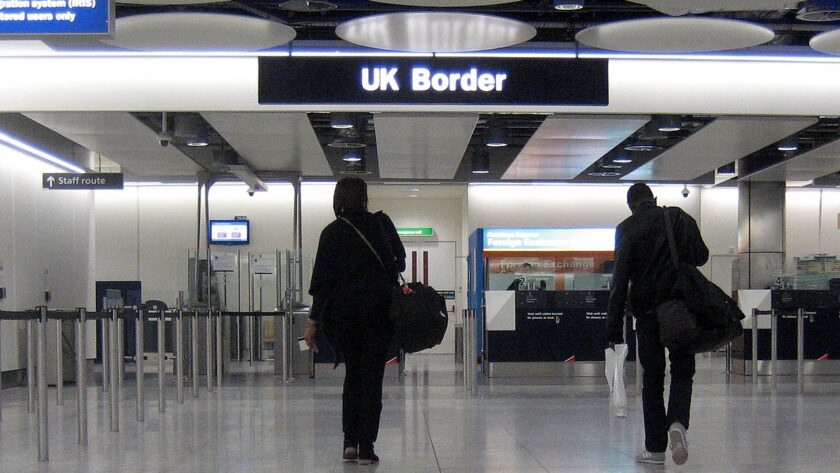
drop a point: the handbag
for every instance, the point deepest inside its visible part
(418, 313)
(698, 316)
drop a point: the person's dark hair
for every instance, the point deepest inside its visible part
(350, 196)
(638, 192)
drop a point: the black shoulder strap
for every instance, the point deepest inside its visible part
(671, 244)
(362, 236)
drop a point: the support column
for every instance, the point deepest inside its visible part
(761, 233)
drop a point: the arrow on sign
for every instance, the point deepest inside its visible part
(51, 180)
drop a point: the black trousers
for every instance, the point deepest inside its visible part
(363, 339)
(652, 358)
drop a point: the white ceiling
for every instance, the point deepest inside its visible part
(122, 138)
(564, 146)
(722, 141)
(682, 7)
(806, 166)
(272, 141)
(422, 146)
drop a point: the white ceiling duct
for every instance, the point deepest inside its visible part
(685, 7)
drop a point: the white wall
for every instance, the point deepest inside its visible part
(811, 221)
(44, 245)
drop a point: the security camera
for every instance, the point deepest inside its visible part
(685, 191)
(164, 138)
(251, 192)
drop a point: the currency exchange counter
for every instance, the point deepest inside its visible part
(548, 333)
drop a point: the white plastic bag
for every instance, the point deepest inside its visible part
(614, 371)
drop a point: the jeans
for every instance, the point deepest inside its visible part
(364, 344)
(652, 358)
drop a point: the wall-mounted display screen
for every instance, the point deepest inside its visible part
(229, 232)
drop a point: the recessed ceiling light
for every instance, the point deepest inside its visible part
(669, 123)
(481, 163)
(568, 4)
(624, 159)
(352, 157)
(642, 147)
(341, 120)
(495, 137)
(612, 165)
(788, 144)
(415, 190)
(604, 173)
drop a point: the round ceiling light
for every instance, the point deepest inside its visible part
(445, 3)
(435, 32)
(675, 35)
(828, 42)
(181, 31)
(346, 143)
(308, 6)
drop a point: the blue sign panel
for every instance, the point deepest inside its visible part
(549, 239)
(56, 17)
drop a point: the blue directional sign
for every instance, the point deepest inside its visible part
(56, 17)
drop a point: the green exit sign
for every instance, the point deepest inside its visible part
(415, 231)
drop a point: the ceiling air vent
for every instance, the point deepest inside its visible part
(820, 10)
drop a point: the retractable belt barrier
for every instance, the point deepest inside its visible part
(113, 350)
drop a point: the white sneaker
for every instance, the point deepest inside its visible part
(678, 442)
(650, 457)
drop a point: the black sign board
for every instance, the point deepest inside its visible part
(433, 81)
(70, 181)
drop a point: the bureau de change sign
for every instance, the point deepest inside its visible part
(27, 18)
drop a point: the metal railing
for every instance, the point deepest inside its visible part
(470, 351)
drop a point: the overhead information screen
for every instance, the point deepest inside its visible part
(26, 18)
(432, 81)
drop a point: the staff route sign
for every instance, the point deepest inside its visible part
(27, 18)
(94, 181)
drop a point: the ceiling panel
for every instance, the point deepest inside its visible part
(720, 142)
(422, 146)
(804, 167)
(564, 146)
(272, 141)
(122, 138)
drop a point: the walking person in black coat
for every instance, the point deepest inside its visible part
(351, 290)
(642, 257)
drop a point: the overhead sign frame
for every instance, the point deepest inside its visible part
(85, 181)
(33, 19)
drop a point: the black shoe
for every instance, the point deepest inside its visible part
(351, 454)
(366, 457)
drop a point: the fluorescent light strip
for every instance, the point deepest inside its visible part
(38, 153)
(338, 53)
(234, 54)
(548, 55)
(159, 184)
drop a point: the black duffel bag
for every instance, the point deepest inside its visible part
(419, 316)
(698, 316)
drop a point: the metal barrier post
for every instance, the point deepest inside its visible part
(30, 364)
(209, 354)
(43, 439)
(800, 349)
(139, 350)
(219, 348)
(754, 369)
(179, 356)
(284, 346)
(106, 354)
(774, 350)
(120, 352)
(81, 376)
(728, 368)
(115, 385)
(194, 347)
(161, 359)
(464, 343)
(59, 364)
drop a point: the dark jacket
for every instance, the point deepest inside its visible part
(642, 258)
(346, 270)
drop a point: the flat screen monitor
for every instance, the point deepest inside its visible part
(229, 232)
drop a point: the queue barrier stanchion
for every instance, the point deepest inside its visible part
(106, 354)
(800, 349)
(209, 354)
(161, 346)
(774, 347)
(59, 363)
(81, 377)
(120, 352)
(464, 347)
(219, 348)
(43, 439)
(754, 364)
(179, 356)
(30, 364)
(139, 350)
(194, 349)
(115, 385)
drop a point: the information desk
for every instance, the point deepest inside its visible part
(821, 332)
(548, 333)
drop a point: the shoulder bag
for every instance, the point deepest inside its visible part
(698, 316)
(417, 311)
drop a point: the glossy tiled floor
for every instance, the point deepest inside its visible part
(257, 424)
